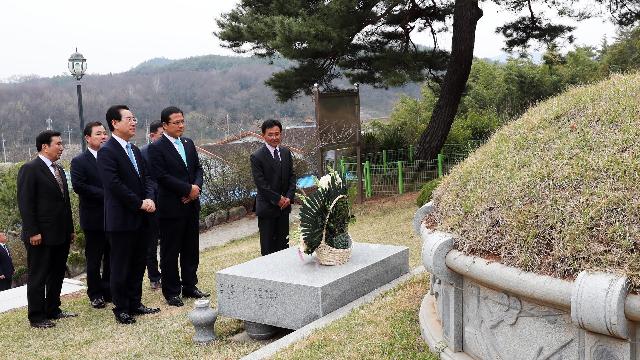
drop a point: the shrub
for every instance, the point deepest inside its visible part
(425, 193)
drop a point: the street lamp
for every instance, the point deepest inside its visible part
(77, 68)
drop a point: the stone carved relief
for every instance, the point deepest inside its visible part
(501, 326)
(600, 351)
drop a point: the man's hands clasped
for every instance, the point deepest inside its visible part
(284, 202)
(194, 194)
(148, 205)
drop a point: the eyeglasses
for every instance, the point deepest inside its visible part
(180, 122)
(131, 119)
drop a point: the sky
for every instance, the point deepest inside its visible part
(38, 36)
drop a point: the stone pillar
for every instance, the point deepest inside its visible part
(447, 286)
(597, 306)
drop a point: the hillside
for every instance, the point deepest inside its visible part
(207, 88)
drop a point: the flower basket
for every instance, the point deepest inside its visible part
(324, 219)
(328, 255)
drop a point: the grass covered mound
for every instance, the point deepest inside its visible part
(558, 190)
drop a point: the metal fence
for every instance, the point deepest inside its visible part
(391, 172)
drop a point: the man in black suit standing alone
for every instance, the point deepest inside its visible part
(87, 184)
(6, 264)
(177, 170)
(47, 229)
(128, 193)
(272, 170)
(155, 133)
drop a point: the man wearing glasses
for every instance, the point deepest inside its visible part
(128, 194)
(176, 168)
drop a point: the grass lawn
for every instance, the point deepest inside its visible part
(385, 328)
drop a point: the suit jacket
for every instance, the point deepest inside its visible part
(87, 184)
(124, 189)
(6, 265)
(43, 207)
(174, 178)
(272, 180)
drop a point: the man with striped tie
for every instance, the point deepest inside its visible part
(47, 229)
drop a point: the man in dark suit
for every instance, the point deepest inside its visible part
(47, 229)
(176, 168)
(272, 170)
(6, 264)
(128, 193)
(87, 184)
(155, 133)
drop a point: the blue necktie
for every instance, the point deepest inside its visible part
(183, 154)
(132, 158)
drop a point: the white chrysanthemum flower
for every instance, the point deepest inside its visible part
(324, 182)
(338, 179)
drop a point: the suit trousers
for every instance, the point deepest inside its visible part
(46, 265)
(5, 284)
(180, 239)
(274, 233)
(128, 254)
(97, 251)
(152, 252)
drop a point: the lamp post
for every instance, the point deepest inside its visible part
(77, 67)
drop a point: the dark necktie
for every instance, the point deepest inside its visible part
(56, 173)
(276, 155)
(6, 249)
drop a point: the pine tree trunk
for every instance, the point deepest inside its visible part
(465, 18)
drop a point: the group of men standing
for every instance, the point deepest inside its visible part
(124, 197)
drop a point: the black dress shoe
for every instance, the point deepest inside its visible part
(124, 318)
(98, 303)
(44, 324)
(175, 301)
(143, 310)
(62, 315)
(195, 293)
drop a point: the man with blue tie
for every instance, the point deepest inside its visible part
(176, 167)
(87, 184)
(128, 194)
(6, 264)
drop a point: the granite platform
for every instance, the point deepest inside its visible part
(284, 290)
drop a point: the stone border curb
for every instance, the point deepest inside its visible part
(272, 348)
(600, 308)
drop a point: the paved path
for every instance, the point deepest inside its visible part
(217, 236)
(224, 233)
(17, 297)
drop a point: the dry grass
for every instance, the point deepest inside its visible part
(384, 329)
(167, 335)
(555, 191)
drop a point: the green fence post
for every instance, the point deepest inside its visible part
(400, 178)
(367, 166)
(384, 161)
(410, 153)
(342, 170)
(440, 161)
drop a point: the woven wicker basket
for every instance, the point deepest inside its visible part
(326, 254)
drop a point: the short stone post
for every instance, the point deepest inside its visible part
(203, 318)
(447, 286)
